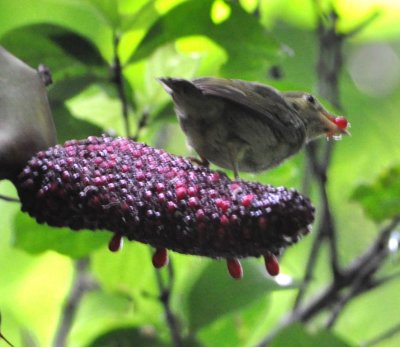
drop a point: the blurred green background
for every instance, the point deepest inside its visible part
(248, 39)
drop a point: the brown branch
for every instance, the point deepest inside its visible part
(356, 279)
(142, 123)
(165, 295)
(81, 284)
(384, 336)
(8, 198)
(319, 155)
(118, 79)
(2, 337)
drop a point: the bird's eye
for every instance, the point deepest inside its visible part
(310, 99)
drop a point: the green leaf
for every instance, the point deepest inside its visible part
(216, 294)
(303, 338)
(381, 198)
(133, 262)
(68, 127)
(238, 328)
(70, 86)
(36, 238)
(109, 10)
(78, 47)
(78, 16)
(250, 48)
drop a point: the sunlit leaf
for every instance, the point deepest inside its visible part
(109, 11)
(68, 127)
(236, 329)
(381, 198)
(302, 338)
(216, 294)
(249, 47)
(79, 48)
(35, 238)
(78, 16)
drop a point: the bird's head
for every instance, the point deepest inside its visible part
(318, 121)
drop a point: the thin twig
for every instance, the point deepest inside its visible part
(384, 336)
(118, 80)
(328, 69)
(141, 124)
(80, 285)
(2, 337)
(308, 276)
(165, 295)
(8, 198)
(357, 278)
(360, 27)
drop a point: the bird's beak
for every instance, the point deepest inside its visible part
(335, 126)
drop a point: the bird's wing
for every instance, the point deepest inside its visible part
(265, 101)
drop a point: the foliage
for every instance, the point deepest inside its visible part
(381, 198)
(79, 41)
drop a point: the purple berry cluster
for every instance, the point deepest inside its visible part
(148, 195)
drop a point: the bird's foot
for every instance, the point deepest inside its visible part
(201, 162)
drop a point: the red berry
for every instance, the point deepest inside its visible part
(271, 264)
(181, 193)
(247, 200)
(341, 122)
(224, 220)
(116, 243)
(160, 258)
(235, 268)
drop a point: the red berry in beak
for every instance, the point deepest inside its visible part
(235, 268)
(341, 122)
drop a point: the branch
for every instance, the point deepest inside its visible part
(356, 279)
(328, 69)
(2, 337)
(165, 295)
(8, 198)
(142, 123)
(384, 336)
(81, 284)
(360, 27)
(118, 80)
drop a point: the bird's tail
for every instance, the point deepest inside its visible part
(179, 86)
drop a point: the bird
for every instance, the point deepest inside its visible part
(248, 126)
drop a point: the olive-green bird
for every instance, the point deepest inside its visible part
(248, 126)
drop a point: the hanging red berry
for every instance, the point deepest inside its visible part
(160, 258)
(271, 264)
(116, 243)
(235, 268)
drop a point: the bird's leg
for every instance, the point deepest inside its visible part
(234, 156)
(202, 161)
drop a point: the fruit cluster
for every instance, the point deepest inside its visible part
(145, 194)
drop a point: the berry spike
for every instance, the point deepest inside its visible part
(116, 243)
(271, 264)
(160, 258)
(235, 268)
(159, 199)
